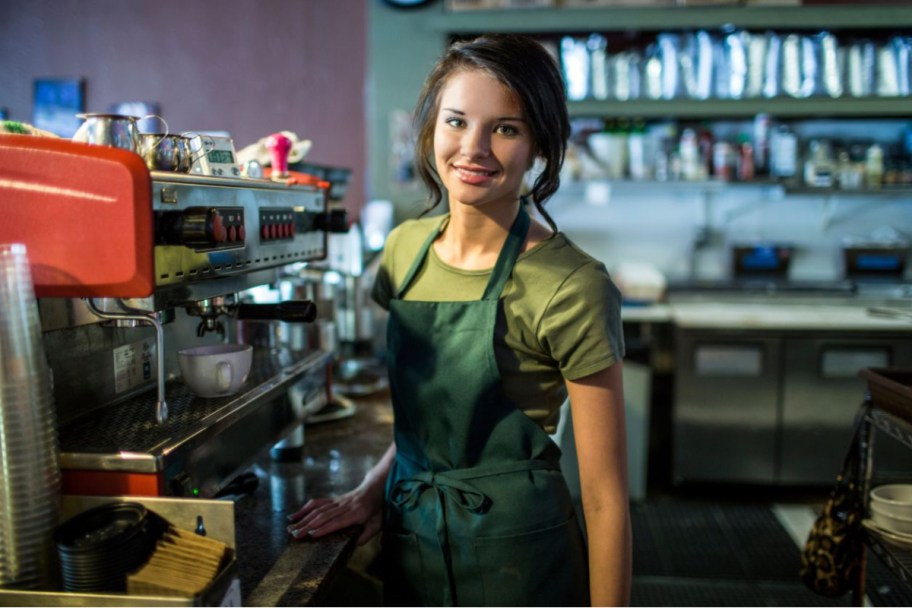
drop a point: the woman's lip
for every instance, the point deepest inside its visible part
(473, 177)
(475, 171)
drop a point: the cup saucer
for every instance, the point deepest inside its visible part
(896, 537)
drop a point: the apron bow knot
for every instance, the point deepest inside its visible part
(406, 492)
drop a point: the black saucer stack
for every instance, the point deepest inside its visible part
(99, 547)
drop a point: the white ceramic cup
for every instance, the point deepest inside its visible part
(217, 370)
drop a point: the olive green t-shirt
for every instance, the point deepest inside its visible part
(561, 313)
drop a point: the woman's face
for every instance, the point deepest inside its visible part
(482, 144)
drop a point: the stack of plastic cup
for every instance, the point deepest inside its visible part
(29, 469)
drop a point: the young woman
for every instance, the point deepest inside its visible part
(495, 318)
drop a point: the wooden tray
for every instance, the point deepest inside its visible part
(890, 389)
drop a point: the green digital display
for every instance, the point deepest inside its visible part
(220, 157)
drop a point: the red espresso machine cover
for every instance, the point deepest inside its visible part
(84, 214)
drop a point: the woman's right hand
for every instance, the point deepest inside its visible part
(362, 506)
(321, 516)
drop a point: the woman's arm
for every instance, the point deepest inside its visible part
(361, 506)
(597, 406)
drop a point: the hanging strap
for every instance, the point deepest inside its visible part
(854, 462)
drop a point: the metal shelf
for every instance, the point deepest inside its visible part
(897, 558)
(545, 21)
(773, 188)
(780, 107)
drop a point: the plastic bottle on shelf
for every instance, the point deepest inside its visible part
(874, 167)
(761, 143)
(746, 167)
(598, 65)
(639, 156)
(688, 148)
(819, 170)
(783, 153)
(722, 160)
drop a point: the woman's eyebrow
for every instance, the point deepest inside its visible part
(461, 113)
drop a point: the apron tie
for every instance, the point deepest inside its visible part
(406, 492)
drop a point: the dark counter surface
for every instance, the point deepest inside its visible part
(275, 569)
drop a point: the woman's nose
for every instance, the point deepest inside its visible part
(476, 143)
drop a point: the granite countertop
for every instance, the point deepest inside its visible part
(274, 569)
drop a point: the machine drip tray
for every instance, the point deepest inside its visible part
(125, 436)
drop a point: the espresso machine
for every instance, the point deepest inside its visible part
(130, 266)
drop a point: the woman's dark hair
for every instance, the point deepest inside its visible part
(527, 69)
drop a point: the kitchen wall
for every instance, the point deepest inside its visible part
(250, 68)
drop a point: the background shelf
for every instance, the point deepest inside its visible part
(874, 16)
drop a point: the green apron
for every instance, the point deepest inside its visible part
(477, 510)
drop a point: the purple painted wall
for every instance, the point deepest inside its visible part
(243, 66)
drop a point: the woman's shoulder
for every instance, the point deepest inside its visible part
(561, 256)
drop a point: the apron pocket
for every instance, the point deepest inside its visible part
(545, 567)
(403, 570)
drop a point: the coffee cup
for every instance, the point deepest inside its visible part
(216, 370)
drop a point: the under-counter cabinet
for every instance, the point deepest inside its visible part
(770, 407)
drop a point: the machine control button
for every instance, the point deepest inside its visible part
(200, 228)
(219, 232)
(277, 223)
(180, 486)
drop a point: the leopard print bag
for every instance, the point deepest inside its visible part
(831, 559)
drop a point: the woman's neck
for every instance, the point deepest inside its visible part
(472, 239)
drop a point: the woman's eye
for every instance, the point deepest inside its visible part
(454, 121)
(507, 130)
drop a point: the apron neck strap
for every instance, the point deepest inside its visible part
(502, 269)
(419, 259)
(508, 254)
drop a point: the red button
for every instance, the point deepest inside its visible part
(264, 231)
(218, 229)
(242, 233)
(232, 234)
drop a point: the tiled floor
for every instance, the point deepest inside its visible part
(697, 552)
(705, 552)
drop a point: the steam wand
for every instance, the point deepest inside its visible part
(161, 407)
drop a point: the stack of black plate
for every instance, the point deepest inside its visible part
(99, 547)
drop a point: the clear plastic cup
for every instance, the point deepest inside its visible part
(29, 470)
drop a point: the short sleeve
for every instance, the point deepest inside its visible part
(581, 326)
